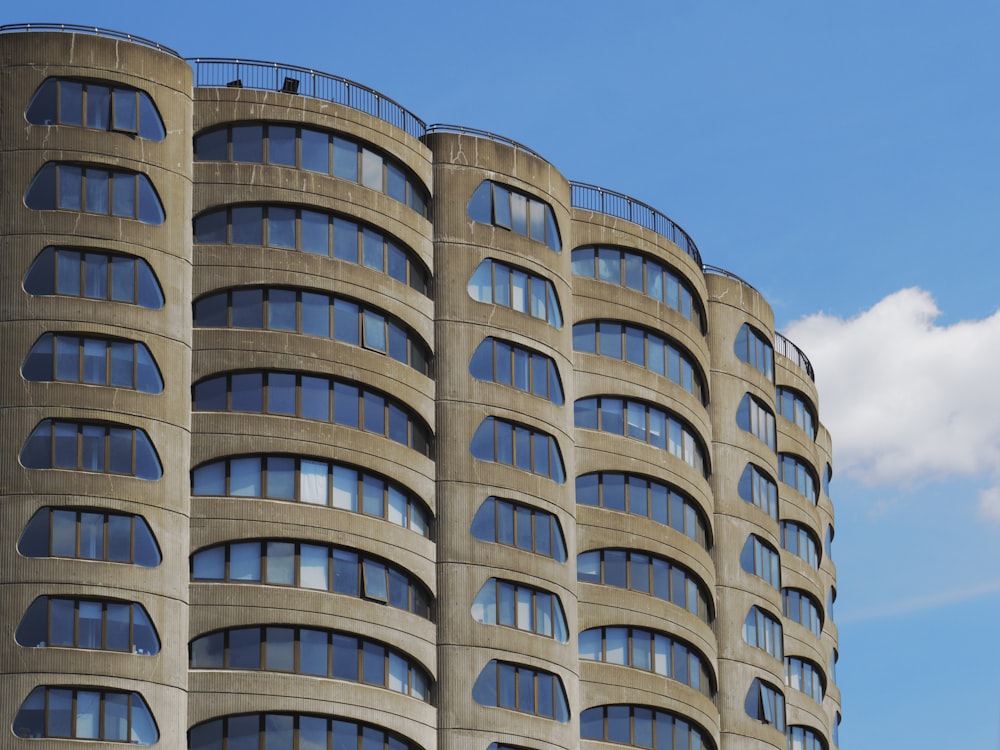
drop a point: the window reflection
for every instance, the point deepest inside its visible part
(501, 206)
(643, 497)
(316, 232)
(641, 347)
(517, 525)
(311, 566)
(314, 151)
(317, 482)
(96, 105)
(315, 314)
(94, 274)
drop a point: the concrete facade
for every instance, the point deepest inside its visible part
(324, 424)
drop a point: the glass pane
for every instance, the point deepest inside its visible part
(345, 159)
(248, 143)
(371, 169)
(281, 227)
(345, 240)
(244, 561)
(123, 194)
(281, 145)
(314, 569)
(281, 563)
(313, 481)
(315, 230)
(315, 151)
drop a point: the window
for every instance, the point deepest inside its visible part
(314, 314)
(282, 731)
(643, 497)
(497, 283)
(639, 726)
(647, 574)
(76, 713)
(801, 542)
(320, 653)
(94, 275)
(520, 688)
(522, 447)
(97, 105)
(833, 665)
(757, 488)
(87, 359)
(766, 703)
(85, 446)
(641, 347)
(315, 151)
(754, 417)
(515, 605)
(95, 190)
(306, 480)
(502, 362)
(315, 232)
(828, 542)
(763, 631)
(754, 348)
(519, 212)
(311, 566)
(800, 607)
(836, 733)
(643, 274)
(641, 421)
(798, 475)
(804, 676)
(827, 476)
(831, 597)
(88, 623)
(760, 559)
(90, 535)
(794, 407)
(312, 397)
(516, 525)
(804, 738)
(649, 650)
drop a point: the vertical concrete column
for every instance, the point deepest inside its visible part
(100, 310)
(466, 565)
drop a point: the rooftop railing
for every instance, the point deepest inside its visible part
(72, 28)
(601, 200)
(462, 130)
(790, 351)
(211, 72)
(706, 268)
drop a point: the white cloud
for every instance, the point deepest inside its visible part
(921, 603)
(908, 400)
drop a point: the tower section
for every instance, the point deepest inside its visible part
(776, 639)
(94, 386)
(313, 554)
(645, 511)
(507, 541)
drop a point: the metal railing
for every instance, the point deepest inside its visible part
(706, 268)
(210, 72)
(462, 130)
(790, 351)
(594, 198)
(72, 28)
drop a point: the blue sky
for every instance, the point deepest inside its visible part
(841, 156)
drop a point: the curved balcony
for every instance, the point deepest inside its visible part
(601, 200)
(790, 351)
(475, 132)
(72, 28)
(216, 72)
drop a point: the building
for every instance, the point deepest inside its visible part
(322, 428)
